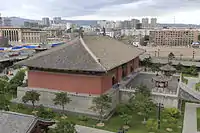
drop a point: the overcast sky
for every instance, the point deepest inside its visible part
(185, 11)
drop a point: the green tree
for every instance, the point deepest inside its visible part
(101, 105)
(18, 78)
(61, 99)
(45, 113)
(147, 62)
(65, 126)
(16, 81)
(31, 96)
(155, 67)
(3, 85)
(179, 67)
(4, 102)
(126, 118)
(152, 125)
(172, 112)
(144, 90)
(4, 77)
(123, 109)
(171, 56)
(143, 104)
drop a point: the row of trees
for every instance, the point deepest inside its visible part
(100, 104)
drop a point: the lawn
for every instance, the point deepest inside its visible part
(113, 124)
(198, 119)
(197, 86)
(189, 75)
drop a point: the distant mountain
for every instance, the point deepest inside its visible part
(16, 21)
(82, 22)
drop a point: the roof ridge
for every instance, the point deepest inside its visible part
(91, 53)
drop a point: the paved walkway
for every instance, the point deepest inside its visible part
(190, 118)
(84, 129)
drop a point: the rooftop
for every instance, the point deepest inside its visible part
(167, 67)
(11, 122)
(90, 53)
(161, 78)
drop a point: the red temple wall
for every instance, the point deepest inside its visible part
(77, 83)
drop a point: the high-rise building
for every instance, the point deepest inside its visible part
(46, 21)
(127, 24)
(145, 23)
(134, 23)
(153, 23)
(57, 20)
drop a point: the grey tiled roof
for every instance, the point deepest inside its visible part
(11, 122)
(161, 78)
(167, 67)
(94, 53)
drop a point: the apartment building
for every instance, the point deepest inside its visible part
(173, 37)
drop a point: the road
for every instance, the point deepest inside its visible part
(190, 118)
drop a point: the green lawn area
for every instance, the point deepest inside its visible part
(198, 119)
(189, 75)
(197, 87)
(113, 124)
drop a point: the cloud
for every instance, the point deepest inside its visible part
(99, 9)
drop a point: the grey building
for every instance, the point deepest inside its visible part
(145, 23)
(134, 23)
(46, 21)
(153, 23)
(127, 24)
(57, 20)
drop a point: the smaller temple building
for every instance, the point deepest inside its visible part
(11, 122)
(164, 86)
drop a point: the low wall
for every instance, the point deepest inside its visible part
(167, 101)
(80, 103)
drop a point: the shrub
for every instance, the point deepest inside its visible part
(151, 125)
(20, 106)
(83, 118)
(4, 77)
(45, 113)
(123, 109)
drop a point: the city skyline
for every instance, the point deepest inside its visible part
(184, 11)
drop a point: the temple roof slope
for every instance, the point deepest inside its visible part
(90, 53)
(11, 122)
(167, 67)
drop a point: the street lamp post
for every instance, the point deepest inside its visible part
(160, 105)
